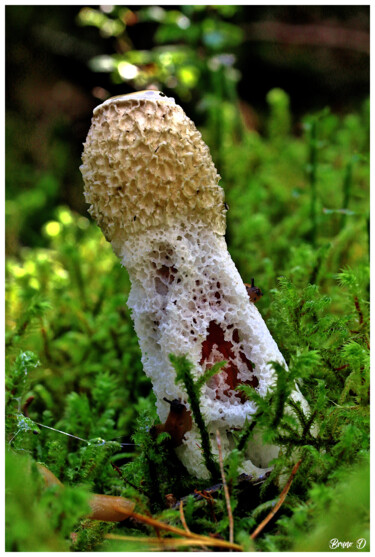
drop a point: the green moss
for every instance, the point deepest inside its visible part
(73, 362)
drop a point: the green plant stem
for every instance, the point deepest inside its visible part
(183, 373)
(298, 411)
(245, 437)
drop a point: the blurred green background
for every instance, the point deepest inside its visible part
(62, 61)
(280, 94)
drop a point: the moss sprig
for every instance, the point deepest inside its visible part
(183, 368)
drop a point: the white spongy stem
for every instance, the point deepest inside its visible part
(154, 190)
(187, 298)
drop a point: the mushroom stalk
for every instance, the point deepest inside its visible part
(153, 189)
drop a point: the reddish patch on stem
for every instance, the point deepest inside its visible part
(225, 347)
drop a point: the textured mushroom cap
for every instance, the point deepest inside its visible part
(145, 164)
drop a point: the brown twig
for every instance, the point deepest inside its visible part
(182, 517)
(281, 500)
(175, 542)
(341, 368)
(163, 526)
(206, 494)
(137, 499)
(226, 491)
(184, 523)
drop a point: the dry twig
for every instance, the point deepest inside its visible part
(182, 516)
(171, 543)
(226, 491)
(281, 500)
(203, 540)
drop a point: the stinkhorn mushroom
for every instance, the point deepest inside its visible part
(153, 190)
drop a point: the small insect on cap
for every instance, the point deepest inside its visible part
(145, 164)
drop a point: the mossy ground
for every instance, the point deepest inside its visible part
(298, 223)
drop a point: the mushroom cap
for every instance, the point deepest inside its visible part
(145, 164)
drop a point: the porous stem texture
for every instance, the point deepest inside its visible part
(153, 189)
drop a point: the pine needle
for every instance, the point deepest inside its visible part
(281, 500)
(182, 516)
(225, 487)
(170, 543)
